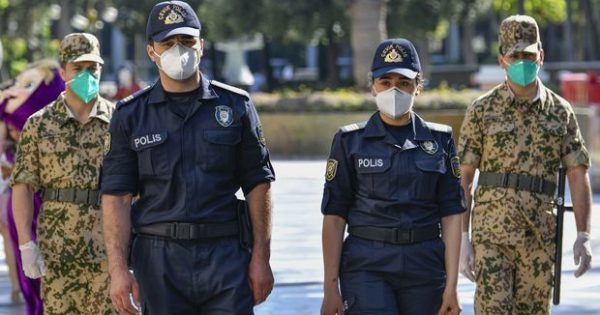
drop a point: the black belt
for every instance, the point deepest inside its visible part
(73, 195)
(189, 231)
(395, 235)
(518, 181)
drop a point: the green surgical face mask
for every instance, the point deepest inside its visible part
(523, 72)
(85, 85)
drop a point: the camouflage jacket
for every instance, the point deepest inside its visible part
(502, 134)
(57, 151)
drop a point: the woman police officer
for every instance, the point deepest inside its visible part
(393, 180)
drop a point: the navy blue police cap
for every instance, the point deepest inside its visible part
(170, 18)
(396, 55)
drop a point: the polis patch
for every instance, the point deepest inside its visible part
(371, 164)
(331, 169)
(149, 140)
(455, 163)
(224, 115)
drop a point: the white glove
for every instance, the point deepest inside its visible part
(582, 253)
(32, 260)
(466, 264)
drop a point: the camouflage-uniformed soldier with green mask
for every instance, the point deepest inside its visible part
(517, 135)
(59, 153)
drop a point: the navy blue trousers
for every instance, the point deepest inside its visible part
(387, 279)
(192, 277)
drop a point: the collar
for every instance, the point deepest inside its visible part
(157, 93)
(100, 110)
(375, 128)
(540, 96)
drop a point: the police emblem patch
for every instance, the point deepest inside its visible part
(107, 141)
(224, 115)
(455, 163)
(430, 147)
(331, 169)
(172, 14)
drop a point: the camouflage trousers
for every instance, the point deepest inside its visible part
(76, 289)
(512, 280)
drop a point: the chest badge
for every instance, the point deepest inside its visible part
(430, 147)
(224, 115)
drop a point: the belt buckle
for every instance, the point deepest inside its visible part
(401, 236)
(180, 231)
(537, 185)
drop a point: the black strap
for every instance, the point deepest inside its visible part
(189, 231)
(395, 235)
(73, 195)
(518, 181)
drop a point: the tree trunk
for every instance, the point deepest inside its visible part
(568, 43)
(521, 6)
(64, 23)
(593, 37)
(368, 30)
(422, 44)
(333, 77)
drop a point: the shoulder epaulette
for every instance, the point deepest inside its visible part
(230, 88)
(439, 127)
(354, 126)
(133, 96)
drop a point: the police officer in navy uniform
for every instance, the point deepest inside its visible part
(394, 181)
(185, 145)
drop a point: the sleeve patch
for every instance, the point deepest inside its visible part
(455, 163)
(331, 169)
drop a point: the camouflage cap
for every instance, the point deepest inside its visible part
(77, 47)
(519, 33)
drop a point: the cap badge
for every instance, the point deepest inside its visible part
(393, 56)
(430, 147)
(172, 14)
(224, 115)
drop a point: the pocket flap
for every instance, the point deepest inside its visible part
(495, 127)
(148, 140)
(371, 164)
(226, 137)
(437, 165)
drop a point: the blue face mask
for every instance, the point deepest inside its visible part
(523, 72)
(85, 85)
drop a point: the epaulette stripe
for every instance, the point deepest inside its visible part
(439, 127)
(129, 98)
(230, 88)
(354, 126)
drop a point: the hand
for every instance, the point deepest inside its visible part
(466, 264)
(261, 280)
(450, 304)
(582, 253)
(122, 284)
(332, 303)
(33, 262)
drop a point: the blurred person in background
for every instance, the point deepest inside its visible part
(33, 89)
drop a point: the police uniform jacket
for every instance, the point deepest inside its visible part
(372, 180)
(185, 167)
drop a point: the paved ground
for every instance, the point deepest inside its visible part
(296, 252)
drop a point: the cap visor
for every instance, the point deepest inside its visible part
(177, 31)
(523, 47)
(89, 57)
(401, 71)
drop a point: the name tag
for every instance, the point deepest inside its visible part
(149, 140)
(366, 164)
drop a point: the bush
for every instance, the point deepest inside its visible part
(346, 100)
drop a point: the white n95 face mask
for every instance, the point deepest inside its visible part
(394, 102)
(179, 62)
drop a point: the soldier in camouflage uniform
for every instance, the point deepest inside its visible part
(517, 135)
(59, 153)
